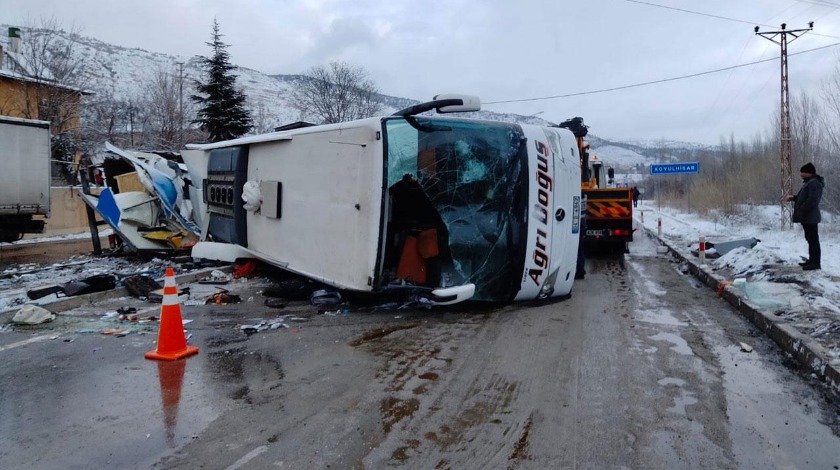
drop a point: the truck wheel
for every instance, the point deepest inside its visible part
(9, 236)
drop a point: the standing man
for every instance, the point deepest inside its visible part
(806, 211)
(635, 196)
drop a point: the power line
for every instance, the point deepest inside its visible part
(820, 3)
(654, 82)
(694, 12)
(666, 7)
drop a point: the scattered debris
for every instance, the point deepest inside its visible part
(245, 269)
(151, 212)
(115, 331)
(31, 314)
(325, 298)
(223, 297)
(264, 325)
(746, 347)
(88, 285)
(216, 277)
(140, 285)
(717, 249)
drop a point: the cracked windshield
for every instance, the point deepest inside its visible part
(459, 188)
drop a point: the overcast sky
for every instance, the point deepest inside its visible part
(506, 50)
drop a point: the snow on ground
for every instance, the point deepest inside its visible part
(769, 273)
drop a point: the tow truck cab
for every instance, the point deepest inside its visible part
(451, 209)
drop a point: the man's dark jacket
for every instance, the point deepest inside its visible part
(806, 204)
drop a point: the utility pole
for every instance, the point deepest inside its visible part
(180, 104)
(781, 38)
(131, 122)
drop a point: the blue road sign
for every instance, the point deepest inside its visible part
(674, 168)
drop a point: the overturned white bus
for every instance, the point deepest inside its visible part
(452, 209)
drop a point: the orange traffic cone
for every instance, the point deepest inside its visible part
(172, 343)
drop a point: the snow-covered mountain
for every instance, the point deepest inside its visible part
(122, 73)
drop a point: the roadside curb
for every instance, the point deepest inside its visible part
(69, 303)
(806, 351)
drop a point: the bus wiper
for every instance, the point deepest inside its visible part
(425, 127)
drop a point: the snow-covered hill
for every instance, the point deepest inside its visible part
(122, 73)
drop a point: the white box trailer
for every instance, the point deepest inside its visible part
(25, 176)
(452, 209)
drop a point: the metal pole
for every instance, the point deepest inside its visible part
(180, 104)
(787, 181)
(785, 151)
(94, 231)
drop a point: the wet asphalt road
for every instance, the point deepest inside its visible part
(641, 368)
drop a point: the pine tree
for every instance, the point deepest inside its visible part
(222, 114)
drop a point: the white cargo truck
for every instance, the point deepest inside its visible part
(450, 209)
(24, 177)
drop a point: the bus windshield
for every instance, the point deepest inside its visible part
(458, 192)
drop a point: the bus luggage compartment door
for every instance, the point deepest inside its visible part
(227, 171)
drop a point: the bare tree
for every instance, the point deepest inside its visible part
(263, 121)
(336, 93)
(55, 73)
(104, 118)
(162, 110)
(807, 138)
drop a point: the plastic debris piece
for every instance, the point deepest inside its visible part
(223, 297)
(115, 332)
(31, 314)
(746, 347)
(193, 302)
(216, 277)
(325, 298)
(246, 269)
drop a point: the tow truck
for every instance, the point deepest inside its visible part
(609, 209)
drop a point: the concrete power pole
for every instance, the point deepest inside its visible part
(180, 104)
(781, 38)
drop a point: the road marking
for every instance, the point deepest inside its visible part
(248, 457)
(24, 342)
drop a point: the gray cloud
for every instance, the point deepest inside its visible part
(502, 50)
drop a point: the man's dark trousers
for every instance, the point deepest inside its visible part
(812, 236)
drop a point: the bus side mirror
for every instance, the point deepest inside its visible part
(468, 103)
(610, 173)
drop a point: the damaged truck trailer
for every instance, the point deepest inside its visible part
(451, 209)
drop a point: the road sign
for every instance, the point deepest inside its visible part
(674, 168)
